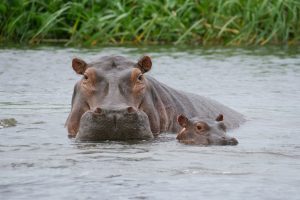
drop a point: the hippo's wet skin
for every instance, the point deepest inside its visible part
(116, 100)
(5, 123)
(201, 131)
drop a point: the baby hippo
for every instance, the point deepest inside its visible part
(200, 131)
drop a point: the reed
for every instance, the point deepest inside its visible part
(205, 22)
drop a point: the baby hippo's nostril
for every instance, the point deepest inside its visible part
(234, 141)
(131, 110)
(98, 110)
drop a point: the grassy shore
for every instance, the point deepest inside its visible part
(97, 22)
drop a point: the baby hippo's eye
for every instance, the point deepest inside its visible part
(140, 77)
(199, 127)
(85, 77)
(202, 127)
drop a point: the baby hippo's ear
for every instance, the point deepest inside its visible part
(182, 120)
(144, 64)
(79, 65)
(219, 118)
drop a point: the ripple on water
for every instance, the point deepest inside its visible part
(268, 153)
(207, 172)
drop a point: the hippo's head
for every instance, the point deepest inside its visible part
(204, 132)
(107, 101)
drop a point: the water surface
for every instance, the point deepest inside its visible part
(37, 160)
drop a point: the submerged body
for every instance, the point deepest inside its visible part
(115, 100)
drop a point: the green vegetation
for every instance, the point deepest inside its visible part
(93, 22)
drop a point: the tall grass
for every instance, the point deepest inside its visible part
(93, 22)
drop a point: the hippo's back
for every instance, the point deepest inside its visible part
(193, 105)
(209, 108)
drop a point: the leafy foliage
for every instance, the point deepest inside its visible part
(92, 22)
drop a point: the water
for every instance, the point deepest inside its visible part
(37, 160)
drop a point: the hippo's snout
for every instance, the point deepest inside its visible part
(123, 111)
(114, 124)
(115, 116)
(233, 141)
(230, 141)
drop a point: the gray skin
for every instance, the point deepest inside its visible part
(116, 100)
(5, 123)
(200, 131)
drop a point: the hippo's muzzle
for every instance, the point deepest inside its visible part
(114, 124)
(225, 140)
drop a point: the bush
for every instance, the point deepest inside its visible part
(92, 22)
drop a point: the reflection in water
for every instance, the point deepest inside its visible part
(39, 161)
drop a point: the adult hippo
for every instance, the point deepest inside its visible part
(116, 100)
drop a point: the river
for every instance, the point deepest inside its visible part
(39, 161)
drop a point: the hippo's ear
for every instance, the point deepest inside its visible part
(144, 64)
(182, 120)
(220, 118)
(79, 65)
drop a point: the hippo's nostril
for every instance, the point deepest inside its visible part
(131, 110)
(234, 141)
(98, 110)
(115, 121)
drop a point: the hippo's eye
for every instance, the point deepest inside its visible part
(85, 77)
(199, 127)
(140, 77)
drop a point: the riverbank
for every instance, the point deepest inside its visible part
(191, 22)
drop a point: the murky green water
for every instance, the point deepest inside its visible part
(37, 160)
